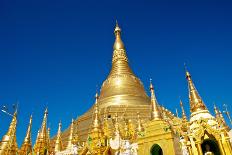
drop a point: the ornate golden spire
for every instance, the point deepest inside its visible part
(58, 144)
(196, 103)
(70, 140)
(43, 133)
(119, 60)
(184, 126)
(155, 113)
(41, 144)
(96, 120)
(26, 147)
(118, 44)
(8, 145)
(121, 87)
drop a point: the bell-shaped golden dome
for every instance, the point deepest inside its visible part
(121, 87)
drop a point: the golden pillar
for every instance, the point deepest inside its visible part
(199, 149)
(221, 147)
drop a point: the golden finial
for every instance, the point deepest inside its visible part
(58, 144)
(155, 114)
(196, 103)
(183, 111)
(70, 140)
(184, 118)
(8, 143)
(118, 44)
(44, 124)
(43, 137)
(26, 147)
(117, 28)
(96, 120)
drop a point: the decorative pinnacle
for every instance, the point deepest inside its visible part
(118, 44)
(96, 121)
(196, 103)
(58, 144)
(155, 115)
(183, 111)
(70, 140)
(117, 28)
(184, 125)
(28, 134)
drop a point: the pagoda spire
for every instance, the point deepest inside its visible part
(26, 147)
(41, 144)
(58, 144)
(196, 103)
(119, 60)
(155, 114)
(184, 126)
(70, 140)
(44, 125)
(8, 145)
(96, 120)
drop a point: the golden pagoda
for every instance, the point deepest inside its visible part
(124, 120)
(26, 147)
(122, 92)
(8, 145)
(41, 146)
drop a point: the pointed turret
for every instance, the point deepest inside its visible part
(41, 145)
(155, 112)
(196, 103)
(26, 147)
(58, 144)
(70, 139)
(184, 126)
(8, 145)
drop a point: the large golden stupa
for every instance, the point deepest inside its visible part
(122, 93)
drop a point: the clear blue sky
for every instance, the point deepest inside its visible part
(54, 53)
